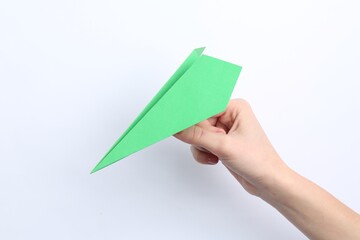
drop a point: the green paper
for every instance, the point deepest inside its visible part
(200, 88)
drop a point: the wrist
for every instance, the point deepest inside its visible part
(278, 184)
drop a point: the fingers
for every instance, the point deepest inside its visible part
(204, 157)
(222, 126)
(209, 138)
(235, 110)
(211, 134)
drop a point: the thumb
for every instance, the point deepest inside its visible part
(207, 138)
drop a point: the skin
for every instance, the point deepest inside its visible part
(236, 139)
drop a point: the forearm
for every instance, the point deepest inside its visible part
(310, 208)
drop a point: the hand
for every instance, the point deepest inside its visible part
(236, 138)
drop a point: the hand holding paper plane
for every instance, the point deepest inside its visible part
(200, 88)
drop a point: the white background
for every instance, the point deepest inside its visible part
(75, 73)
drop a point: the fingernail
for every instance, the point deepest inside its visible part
(210, 161)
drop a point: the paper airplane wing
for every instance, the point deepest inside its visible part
(199, 89)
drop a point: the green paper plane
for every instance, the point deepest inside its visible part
(199, 89)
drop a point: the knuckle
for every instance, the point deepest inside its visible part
(242, 103)
(197, 133)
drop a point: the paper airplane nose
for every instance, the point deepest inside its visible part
(199, 89)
